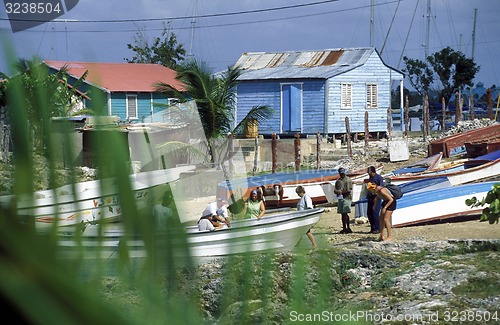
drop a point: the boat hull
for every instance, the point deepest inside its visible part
(279, 232)
(438, 204)
(456, 175)
(91, 201)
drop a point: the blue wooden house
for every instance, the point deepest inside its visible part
(126, 90)
(314, 91)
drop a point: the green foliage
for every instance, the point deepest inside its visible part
(419, 74)
(453, 69)
(41, 96)
(164, 50)
(479, 287)
(492, 212)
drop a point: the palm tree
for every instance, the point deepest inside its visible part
(214, 96)
(42, 95)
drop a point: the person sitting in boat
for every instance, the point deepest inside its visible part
(218, 210)
(210, 223)
(304, 203)
(388, 207)
(254, 206)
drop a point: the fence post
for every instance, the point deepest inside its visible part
(367, 133)
(274, 149)
(296, 144)
(230, 151)
(318, 150)
(256, 158)
(443, 112)
(389, 127)
(471, 107)
(407, 118)
(425, 129)
(458, 111)
(489, 99)
(348, 137)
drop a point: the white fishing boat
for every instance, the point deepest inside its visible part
(278, 232)
(461, 174)
(438, 204)
(90, 201)
(361, 206)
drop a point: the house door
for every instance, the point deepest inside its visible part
(291, 103)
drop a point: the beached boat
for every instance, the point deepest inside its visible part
(90, 201)
(438, 204)
(455, 144)
(479, 168)
(422, 165)
(278, 232)
(285, 194)
(279, 188)
(361, 206)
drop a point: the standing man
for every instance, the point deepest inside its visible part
(373, 209)
(343, 189)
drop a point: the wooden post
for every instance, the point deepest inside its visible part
(274, 149)
(461, 107)
(256, 158)
(489, 100)
(407, 103)
(296, 144)
(427, 128)
(367, 133)
(389, 128)
(471, 107)
(443, 112)
(230, 152)
(348, 137)
(458, 112)
(318, 150)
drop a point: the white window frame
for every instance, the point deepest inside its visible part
(128, 99)
(345, 95)
(371, 95)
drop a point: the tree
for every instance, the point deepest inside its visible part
(454, 70)
(419, 74)
(164, 50)
(215, 98)
(41, 96)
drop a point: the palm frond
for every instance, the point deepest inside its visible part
(257, 113)
(176, 147)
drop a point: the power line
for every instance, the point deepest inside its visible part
(219, 25)
(235, 13)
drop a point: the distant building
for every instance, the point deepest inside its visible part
(126, 90)
(314, 91)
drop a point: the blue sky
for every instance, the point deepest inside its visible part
(92, 31)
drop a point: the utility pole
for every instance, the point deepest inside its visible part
(193, 22)
(372, 15)
(428, 29)
(474, 34)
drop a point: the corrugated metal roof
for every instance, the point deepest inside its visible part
(301, 64)
(133, 77)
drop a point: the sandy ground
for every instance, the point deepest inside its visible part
(327, 230)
